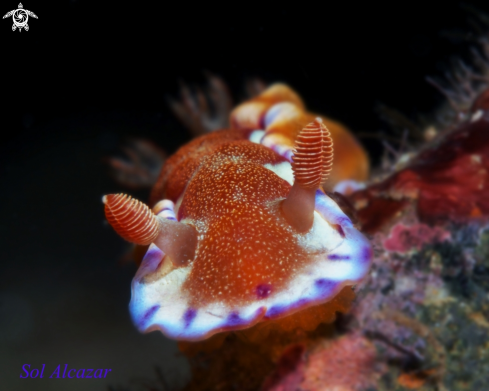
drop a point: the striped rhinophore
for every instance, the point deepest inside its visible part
(131, 219)
(313, 156)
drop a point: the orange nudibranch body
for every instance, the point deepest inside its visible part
(237, 210)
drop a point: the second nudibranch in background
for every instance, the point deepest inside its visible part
(241, 231)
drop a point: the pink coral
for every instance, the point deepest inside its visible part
(404, 238)
(346, 364)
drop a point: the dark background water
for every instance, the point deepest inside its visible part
(86, 75)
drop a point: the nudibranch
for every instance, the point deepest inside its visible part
(241, 231)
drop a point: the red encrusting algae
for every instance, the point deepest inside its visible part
(448, 181)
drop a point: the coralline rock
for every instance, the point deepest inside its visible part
(427, 313)
(404, 238)
(445, 182)
(421, 317)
